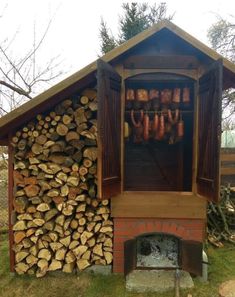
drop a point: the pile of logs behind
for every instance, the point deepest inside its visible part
(220, 217)
(59, 222)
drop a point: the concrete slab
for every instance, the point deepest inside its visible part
(156, 280)
(100, 269)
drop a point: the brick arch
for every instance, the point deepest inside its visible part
(129, 228)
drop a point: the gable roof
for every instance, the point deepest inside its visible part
(11, 120)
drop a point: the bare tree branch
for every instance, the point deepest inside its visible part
(21, 78)
(15, 89)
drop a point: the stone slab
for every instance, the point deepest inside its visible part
(156, 280)
(100, 269)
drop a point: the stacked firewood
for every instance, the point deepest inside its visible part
(59, 222)
(220, 217)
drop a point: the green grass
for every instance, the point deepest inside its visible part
(3, 218)
(221, 268)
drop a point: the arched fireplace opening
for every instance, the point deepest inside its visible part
(162, 251)
(157, 250)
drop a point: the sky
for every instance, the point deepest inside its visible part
(74, 32)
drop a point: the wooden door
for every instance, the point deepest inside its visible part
(191, 256)
(209, 132)
(109, 130)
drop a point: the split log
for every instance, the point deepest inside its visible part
(21, 268)
(20, 256)
(44, 254)
(60, 254)
(68, 267)
(82, 264)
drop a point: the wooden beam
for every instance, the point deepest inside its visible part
(191, 73)
(10, 206)
(161, 62)
(227, 171)
(159, 205)
(227, 157)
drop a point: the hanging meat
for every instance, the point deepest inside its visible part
(180, 128)
(171, 119)
(176, 96)
(186, 96)
(142, 95)
(146, 127)
(161, 129)
(154, 97)
(143, 98)
(130, 97)
(155, 123)
(166, 95)
(138, 128)
(153, 94)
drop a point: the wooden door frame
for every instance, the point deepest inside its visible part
(191, 74)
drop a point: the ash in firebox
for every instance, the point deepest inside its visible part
(158, 251)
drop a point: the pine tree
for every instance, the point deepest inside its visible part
(107, 40)
(135, 19)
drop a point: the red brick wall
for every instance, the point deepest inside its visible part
(127, 228)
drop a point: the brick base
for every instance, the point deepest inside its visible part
(128, 228)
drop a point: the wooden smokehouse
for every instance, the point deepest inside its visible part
(118, 158)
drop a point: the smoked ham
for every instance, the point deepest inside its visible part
(176, 95)
(186, 96)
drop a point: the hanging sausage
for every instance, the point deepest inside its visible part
(146, 127)
(171, 119)
(137, 127)
(155, 123)
(180, 127)
(161, 129)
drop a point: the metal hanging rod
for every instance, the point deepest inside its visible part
(159, 111)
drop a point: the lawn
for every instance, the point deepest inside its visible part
(221, 268)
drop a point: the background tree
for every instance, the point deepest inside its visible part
(222, 38)
(136, 18)
(22, 77)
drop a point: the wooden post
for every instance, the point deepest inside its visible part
(10, 205)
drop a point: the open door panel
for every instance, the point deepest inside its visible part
(209, 132)
(191, 256)
(109, 130)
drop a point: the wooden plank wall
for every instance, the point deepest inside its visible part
(228, 166)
